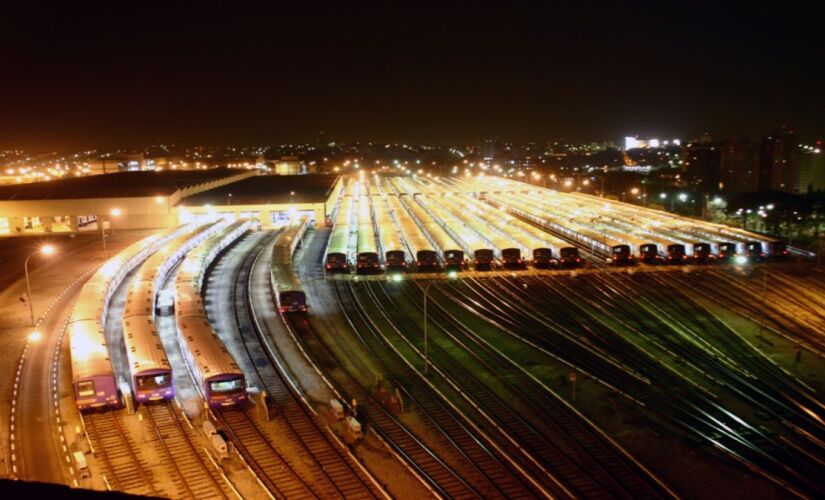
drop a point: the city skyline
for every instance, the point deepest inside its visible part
(424, 74)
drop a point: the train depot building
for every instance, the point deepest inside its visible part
(153, 200)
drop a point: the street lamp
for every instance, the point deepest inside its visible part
(45, 250)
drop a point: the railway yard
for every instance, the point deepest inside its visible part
(433, 337)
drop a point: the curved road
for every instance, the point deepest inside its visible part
(36, 450)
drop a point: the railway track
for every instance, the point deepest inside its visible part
(749, 301)
(334, 470)
(588, 463)
(195, 474)
(445, 479)
(124, 469)
(520, 475)
(671, 396)
(277, 473)
(468, 469)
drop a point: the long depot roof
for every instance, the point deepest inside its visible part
(269, 189)
(117, 185)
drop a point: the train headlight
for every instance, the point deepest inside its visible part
(397, 277)
(741, 260)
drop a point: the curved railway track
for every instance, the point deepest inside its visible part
(748, 300)
(196, 475)
(124, 469)
(445, 479)
(277, 473)
(789, 397)
(334, 471)
(405, 377)
(583, 459)
(671, 396)
(472, 470)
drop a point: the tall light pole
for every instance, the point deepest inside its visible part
(45, 250)
(644, 194)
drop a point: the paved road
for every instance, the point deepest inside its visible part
(38, 456)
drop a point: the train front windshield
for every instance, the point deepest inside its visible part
(511, 254)
(454, 256)
(293, 300)
(153, 382)
(484, 256)
(569, 253)
(395, 258)
(86, 388)
(427, 257)
(648, 250)
(367, 259)
(621, 251)
(542, 254)
(227, 385)
(336, 259)
(727, 249)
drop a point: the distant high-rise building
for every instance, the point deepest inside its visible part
(811, 168)
(739, 166)
(702, 161)
(490, 148)
(777, 161)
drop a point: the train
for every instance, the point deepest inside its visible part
(286, 287)
(93, 378)
(338, 254)
(390, 241)
(218, 377)
(449, 253)
(150, 373)
(422, 252)
(366, 257)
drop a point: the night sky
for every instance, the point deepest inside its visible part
(120, 76)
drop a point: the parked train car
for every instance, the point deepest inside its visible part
(339, 249)
(218, 377)
(286, 287)
(390, 241)
(513, 246)
(567, 255)
(150, 373)
(449, 216)
(93, 378)
(450, 253)
(423, 253)
(703, 253)
(366, 258)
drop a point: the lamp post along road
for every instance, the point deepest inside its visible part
(45, 250)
